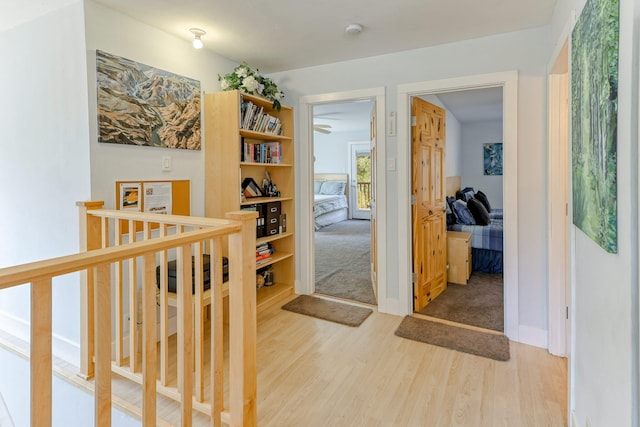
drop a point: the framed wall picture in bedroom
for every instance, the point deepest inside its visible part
(492, 154)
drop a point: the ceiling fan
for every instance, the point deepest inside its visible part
(326, 129)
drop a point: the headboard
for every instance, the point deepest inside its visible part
(453, 184)
(334, 177)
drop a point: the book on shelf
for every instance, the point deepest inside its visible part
(253, 117)
(266, 152)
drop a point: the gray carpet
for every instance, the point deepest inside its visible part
(343, 266)
(479, 303)
(333, 311)
(492, 346)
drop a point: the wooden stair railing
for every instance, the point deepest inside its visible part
(96, 263)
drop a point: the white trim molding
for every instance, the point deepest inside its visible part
(508, 80)
(305, 184)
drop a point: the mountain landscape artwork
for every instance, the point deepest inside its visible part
(145, 106)
(594, 117)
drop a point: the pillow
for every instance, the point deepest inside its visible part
(462, 213)
(332, 187)
(479, 212)
(468, 193)
(451, 217)
(317, 184)
(482, 198)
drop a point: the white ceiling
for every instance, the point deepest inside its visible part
(282, 35)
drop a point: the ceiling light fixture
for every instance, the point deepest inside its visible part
(197, 34)
(353, 29)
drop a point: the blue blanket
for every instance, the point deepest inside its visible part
(483, 236)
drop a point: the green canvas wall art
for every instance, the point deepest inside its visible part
(594, 114)
(492, 154)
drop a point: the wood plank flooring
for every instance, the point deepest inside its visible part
(316, 373)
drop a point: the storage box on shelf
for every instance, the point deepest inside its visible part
(246, 138)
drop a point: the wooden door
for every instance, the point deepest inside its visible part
(429, 218)
(373, 205)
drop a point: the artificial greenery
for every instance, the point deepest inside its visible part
(252, 82)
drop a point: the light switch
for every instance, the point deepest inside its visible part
(166, 163)
(391, 164)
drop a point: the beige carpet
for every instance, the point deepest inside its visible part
(333, 311)
(478, 303)
(343, 265)
(485, 344)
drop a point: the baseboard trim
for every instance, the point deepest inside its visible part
(533, 336)
(62, 347)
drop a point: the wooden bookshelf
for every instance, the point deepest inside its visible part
(225, 169)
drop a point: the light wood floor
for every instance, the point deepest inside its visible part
(316, 373)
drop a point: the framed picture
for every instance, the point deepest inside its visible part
(145, 106)
(492, 158)
(594, 118)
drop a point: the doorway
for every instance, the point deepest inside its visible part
(307, 230)
(509, 83)
(342, 237)
(470, 121)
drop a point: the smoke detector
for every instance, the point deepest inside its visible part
(353, 29)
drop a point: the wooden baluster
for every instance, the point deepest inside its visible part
(89, 230)
(102, 324)
(41, 369)
(134, 363)
(242, 321)
(164, 313)
(119, 309)
(149, 349)
(198, 322)
(185, 333)
(217, 332)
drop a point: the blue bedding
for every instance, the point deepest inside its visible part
(483, 236)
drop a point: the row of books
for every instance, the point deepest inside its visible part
(267, 152)
(264, 252)
(253, 117)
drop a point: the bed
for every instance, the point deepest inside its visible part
(331, 199)
(486, 240)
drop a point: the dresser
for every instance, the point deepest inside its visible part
(459, 257)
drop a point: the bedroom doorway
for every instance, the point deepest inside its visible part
(342, 206)
(508, 82)
(475, 292)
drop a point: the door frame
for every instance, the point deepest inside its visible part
(353, 194)
(305, 241)
(508, 80)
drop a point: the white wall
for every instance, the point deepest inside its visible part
(525, 51)
(474, 136)
(44, 162)
(604, 357)
(332, 151)
(120, 35)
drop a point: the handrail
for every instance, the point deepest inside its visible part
(95, 265)
(53, 267)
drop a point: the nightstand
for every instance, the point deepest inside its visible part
(459, 256)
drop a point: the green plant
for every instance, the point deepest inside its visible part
(252, 82)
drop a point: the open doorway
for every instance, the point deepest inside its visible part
(471, 127)
(509, 83)
(343, 178)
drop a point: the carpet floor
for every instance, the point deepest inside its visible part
(342, 261)
(333, 311)
(485, 344)
(479, 303)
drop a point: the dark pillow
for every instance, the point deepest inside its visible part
(468, 193)
(463, 214)
(451, 216)
(482, 198)
(479, 212)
